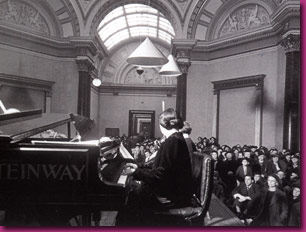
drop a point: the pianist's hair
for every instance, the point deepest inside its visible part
(170, 119)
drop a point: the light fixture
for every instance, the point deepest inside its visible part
(147, 55)
(139, 70)
(171, 68)
(96, 82)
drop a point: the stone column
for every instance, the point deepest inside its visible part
(181, 90)
(181, 48)
(291, 130)
(85, 69)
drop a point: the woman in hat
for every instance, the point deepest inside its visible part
(273, 205)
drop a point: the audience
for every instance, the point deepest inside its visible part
(267, 172)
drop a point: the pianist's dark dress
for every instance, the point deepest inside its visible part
(169, 176)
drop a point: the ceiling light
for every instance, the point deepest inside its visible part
(171, 68)
(147, 54)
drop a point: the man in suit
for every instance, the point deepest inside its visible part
(243, 170)
(244, 195)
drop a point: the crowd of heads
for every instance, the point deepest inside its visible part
(263, 166)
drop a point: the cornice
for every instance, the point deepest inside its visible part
(117, 89)
(257, 81)
(36, 43)
(26, 82)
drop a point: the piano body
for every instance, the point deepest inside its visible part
(52, 180)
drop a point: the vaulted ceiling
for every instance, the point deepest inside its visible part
(208, 23)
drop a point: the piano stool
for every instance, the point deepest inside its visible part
(193, 215)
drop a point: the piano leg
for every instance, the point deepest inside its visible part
(86, 219)
(96, 217)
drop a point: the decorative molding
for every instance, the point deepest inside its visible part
(247, 17)
(241, 82)
(148, 77)
(194, 19)
(36, 43)
(291, 42)
(184, 66)
(24, 15)
(84, 64)
(27, 83)
(125, 89)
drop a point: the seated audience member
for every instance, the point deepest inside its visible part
(259, 180)
(275, 164)
(244, 194)
(284, 184)
(295, 206)
(213, 141)
(287, 159)
(243, 170)
(138, 156)
(249, 154)
(169, 176)
(227, 173)
(294, 170)
(273, 205)
(217, 163)
(261, 164)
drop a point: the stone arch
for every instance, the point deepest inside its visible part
(73, 18)
(222, 13)
(171, 15)
(35, 16)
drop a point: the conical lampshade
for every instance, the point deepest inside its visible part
(171, 68)
(147, 54)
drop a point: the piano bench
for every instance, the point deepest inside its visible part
(193, 215)
(172, 215)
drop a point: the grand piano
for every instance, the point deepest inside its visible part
(50, 181)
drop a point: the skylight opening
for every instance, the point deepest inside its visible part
(134, 20)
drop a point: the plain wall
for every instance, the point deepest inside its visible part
(114, 110)
(271, 62)
(64, 72)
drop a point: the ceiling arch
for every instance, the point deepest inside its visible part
(33, 16)
(134, 20)
(228, 13)
(172, 14)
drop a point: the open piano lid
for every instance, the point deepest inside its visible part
(17, 126)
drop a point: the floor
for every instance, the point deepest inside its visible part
(219, 215)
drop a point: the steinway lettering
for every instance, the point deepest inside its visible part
(41, 171)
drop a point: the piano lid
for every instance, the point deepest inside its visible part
(21, 125)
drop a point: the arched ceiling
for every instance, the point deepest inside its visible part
(203, 22)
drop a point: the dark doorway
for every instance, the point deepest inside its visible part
(142, 122)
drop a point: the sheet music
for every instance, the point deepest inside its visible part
(125, 153)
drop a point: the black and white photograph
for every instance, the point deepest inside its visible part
(150, 113)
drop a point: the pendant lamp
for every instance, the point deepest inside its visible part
(147, 55)
(171, 68)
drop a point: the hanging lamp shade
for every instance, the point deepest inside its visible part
(171, 68)
(147, 55)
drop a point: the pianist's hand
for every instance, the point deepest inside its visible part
(129, 169)
(131, 165)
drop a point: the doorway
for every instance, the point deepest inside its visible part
(142, 122)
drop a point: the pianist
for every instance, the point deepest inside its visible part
(168, 177)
